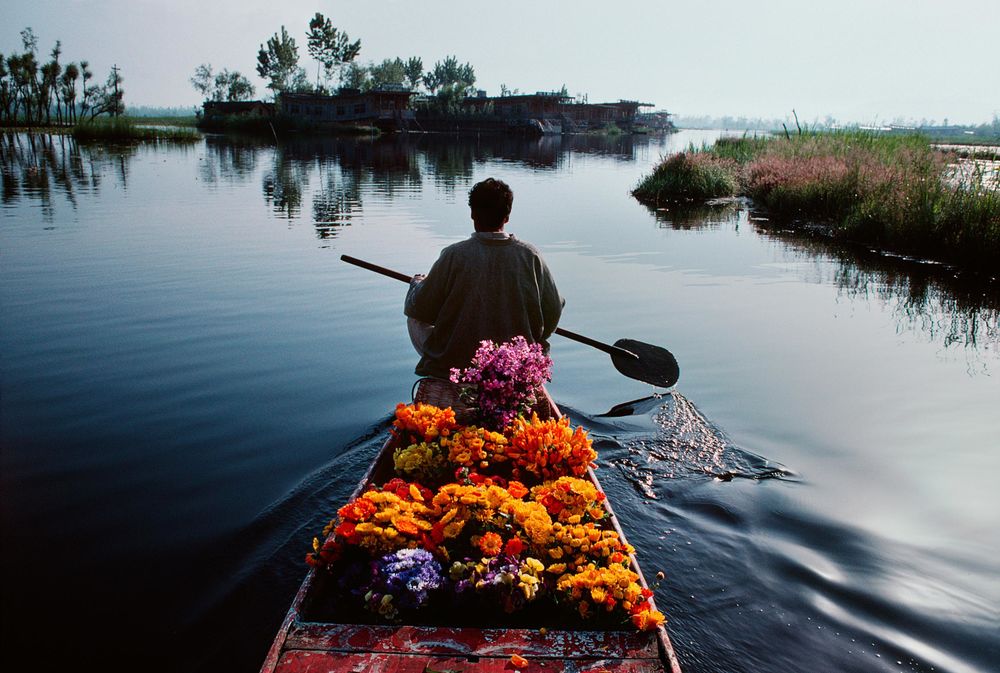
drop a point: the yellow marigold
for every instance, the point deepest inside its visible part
(424, 461)
(570, 499)
(471, 446)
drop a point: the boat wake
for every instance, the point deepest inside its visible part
(665, 437)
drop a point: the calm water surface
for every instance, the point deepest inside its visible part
(192, 382)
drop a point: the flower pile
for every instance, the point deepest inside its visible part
(496, 516)
(549, 448)
(504, 380)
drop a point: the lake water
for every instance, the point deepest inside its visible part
(193, 382)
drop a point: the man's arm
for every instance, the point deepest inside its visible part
(552, 302)
(426, 294)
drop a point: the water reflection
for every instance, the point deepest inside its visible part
(44, 167)
(684, 217)
(329, 179)
(948, 307)
(230, 159)
(283, 183)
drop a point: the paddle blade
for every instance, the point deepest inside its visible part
(655, 366)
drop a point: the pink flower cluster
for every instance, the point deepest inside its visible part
(504, 380)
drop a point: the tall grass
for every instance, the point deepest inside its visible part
(892, 192)
(690, 176)
(124, 129)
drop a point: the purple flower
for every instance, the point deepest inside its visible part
(504, 380)
(402, 579)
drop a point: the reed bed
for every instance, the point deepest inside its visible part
(124, 129)
(895, 193)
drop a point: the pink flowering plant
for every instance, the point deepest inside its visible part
(504, 380)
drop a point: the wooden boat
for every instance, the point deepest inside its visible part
(306, 645)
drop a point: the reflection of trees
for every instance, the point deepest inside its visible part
(345, 169)
(282, 185)
(932, 299)
(949, 308)
(338, 200)
(233, 159)
(43, 167)
(621, 146)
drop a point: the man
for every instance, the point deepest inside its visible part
(489, 286)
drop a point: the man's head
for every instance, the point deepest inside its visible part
(490, 202)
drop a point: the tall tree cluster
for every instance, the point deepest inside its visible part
(336, 57)
(226, 85)
(45, 92)
(450, 81)
(331, 48)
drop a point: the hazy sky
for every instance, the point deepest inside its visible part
(857, 60)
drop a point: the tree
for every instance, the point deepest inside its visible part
(414, 71)
(85, 94)
(29, 40)
(450, 82)
(67, 89)
(354, 76)
(203, 80)
(331, 48)
(449, 73)
(49, 86)
(6, 94)
(387, 73)
(233, 86)
(108, 99)
(279, 62)
(23, 72)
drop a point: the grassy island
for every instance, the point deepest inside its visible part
(896, 193)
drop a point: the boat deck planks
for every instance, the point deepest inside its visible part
(306, 661)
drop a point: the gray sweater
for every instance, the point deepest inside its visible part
(489, 286)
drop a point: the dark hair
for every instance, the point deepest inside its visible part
(491, 201)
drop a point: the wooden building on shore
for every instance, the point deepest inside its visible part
(253, 109)
(552, 112)
(388, 108)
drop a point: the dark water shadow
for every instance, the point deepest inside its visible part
(258, 570)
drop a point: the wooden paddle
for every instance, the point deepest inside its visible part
(635, 359)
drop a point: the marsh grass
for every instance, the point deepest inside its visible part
(124, 129)
(894, 192)
(185, 120)
(689, 176)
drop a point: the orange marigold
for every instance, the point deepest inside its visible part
(549, 448)
(490, 544)
(424, 420)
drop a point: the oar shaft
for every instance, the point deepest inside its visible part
(607, 348)
(376, 268)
